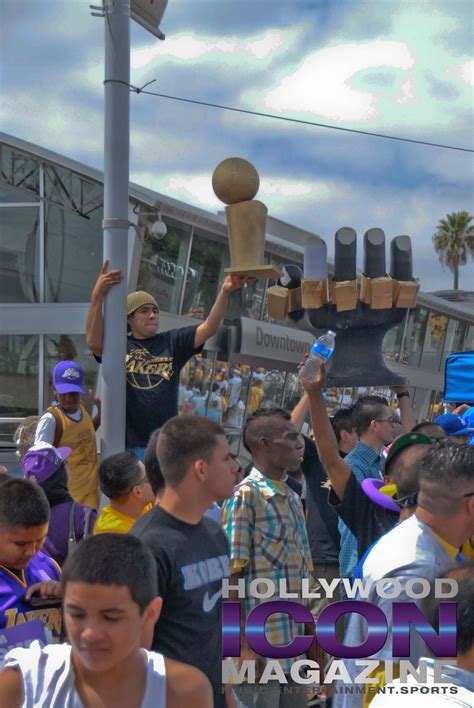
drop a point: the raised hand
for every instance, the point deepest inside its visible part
(106, 280)
(360, 316)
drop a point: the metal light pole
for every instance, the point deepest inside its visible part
(115, 224)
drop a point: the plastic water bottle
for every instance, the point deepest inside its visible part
(320, 352)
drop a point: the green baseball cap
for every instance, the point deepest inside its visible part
(403, 441)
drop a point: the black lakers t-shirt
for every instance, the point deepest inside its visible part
(153, 367)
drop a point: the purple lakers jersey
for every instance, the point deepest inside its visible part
(13, 608)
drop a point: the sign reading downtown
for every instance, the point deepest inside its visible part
(268, 345)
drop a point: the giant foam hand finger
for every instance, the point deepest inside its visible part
(359, 314)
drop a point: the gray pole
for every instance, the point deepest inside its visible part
(116, 178)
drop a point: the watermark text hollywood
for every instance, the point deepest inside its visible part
(386, 588)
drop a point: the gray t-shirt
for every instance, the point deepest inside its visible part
(192, 560)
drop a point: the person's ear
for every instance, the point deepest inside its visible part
(387, 479)
(153, 610)
(150, 617)
(200, 469)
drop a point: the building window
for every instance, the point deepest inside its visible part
(18, 375)
(246, 302)
(19, 171)
(69, 347)
(434, 341)
(414, 336)
(454, 338)
(392, 342)
(163, 265)
(19, 254)
(209, 257)
(73, 253)
(469, 340)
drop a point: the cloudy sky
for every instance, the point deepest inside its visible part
(403, 68)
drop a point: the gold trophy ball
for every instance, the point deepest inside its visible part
(235, 180)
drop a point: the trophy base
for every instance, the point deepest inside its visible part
(258, 271)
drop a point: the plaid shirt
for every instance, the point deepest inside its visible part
(265, 525)
(364, 463)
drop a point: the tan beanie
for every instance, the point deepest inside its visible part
(138, 299)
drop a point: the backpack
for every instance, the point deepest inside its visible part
(24, 436)
(72, 541)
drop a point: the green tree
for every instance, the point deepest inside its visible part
(454, 242)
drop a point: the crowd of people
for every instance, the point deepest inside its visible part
(111, 572)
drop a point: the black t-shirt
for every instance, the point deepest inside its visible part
(192, 560)
(366, 519)
(321, 519)
(153, 367)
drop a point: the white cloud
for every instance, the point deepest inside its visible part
(186, 47)
(465, 72)
(322, 84)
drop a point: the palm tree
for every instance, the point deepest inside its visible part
(454, 242)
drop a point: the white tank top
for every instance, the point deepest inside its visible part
(48, 677)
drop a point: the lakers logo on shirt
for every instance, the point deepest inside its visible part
(145, 371)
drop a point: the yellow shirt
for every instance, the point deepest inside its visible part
(79, 435)
(255, 399)
(113, 521)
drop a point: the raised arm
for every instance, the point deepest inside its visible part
(338, 471)
(407, 416)
(299, 412)
(214, 319)
(95, 319)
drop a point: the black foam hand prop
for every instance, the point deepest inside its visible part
(360, 316)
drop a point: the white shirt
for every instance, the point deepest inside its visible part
(46, 428)
(49, 681)
(410, 550)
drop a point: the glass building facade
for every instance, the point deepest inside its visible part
(50, 255)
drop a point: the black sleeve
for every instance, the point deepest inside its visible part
(311, 463)
(366, 519)
(183, 344)
(354, 506)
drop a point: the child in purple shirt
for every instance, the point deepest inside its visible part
(24, 569)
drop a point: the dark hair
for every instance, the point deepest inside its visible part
(367, 409)
(183, 440)
(425, 425)
(5, 477)
(119, 473)
(446, 474)
(262, 423)
(343, 419)
(464, 576)
(152, 466)
(114, 559)
(215, 387)
(23, 503)
(404, 469)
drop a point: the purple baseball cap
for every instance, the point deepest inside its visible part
(42, 460)
(68, 377)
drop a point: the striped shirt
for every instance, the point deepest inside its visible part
(265, 525)
(364, 463)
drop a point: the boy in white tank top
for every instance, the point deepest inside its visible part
(110, 608)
